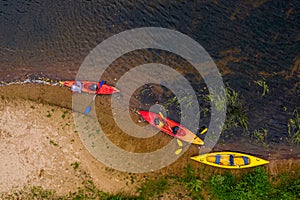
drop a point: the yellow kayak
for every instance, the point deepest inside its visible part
(229, 160)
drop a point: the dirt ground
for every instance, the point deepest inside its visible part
(39, 146)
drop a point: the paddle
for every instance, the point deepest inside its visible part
(201, 131)
(162, 116)
(178, 151)
(88, 108)
(204, 130)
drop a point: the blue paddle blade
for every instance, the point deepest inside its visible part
(87, 110)
(101, 83)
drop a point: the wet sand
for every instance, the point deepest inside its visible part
(39, 145)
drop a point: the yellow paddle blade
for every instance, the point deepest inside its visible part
(61, 82)
(178, 151)
(179, 143)
(161, 115)
(203, 131)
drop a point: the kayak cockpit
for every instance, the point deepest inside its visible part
(228, 160)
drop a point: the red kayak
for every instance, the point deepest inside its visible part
(170, 127)
(92, 87)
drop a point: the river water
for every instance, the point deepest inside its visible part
(248, 41)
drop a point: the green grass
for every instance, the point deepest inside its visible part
(75, 165)
(153, 188)
(254, 184)
(31, 193)
(64, 114)
(192, 182)
(288, 187)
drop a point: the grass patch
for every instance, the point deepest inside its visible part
(31, 193)
(48, 115)
(153, 188)
(254, 184)
(75, 165)
(64, 114)
(288, 187)
(193, 183)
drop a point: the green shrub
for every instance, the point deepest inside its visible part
(254, 185)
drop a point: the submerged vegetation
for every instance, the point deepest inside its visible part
(294, 128)
(263, 85)
(260, 135)
(255, 184)
(236, 112)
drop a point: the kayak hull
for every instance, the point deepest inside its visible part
(229, 160)
(182, 133)
(86, 87)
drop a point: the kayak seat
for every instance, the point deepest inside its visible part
(246, 160)
(158, 122)
(175, 129)
(93, 87)
(231, 160)
(218, 159)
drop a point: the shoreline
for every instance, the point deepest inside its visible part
(39, 146)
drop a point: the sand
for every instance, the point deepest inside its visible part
(39, 146)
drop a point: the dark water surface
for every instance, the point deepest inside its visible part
(248, 41)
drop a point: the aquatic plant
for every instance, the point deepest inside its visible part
(260, 135)
(263, 84)
(294, 128)
(236, 112)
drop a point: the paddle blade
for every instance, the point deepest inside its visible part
(161, 115)
(87, 110)
(101, 83)
(178, 151)
(179, 143)
(203, 131)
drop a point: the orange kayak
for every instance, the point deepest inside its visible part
(170, 126)
(92, 87)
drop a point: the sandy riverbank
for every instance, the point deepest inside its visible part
(39, 146)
